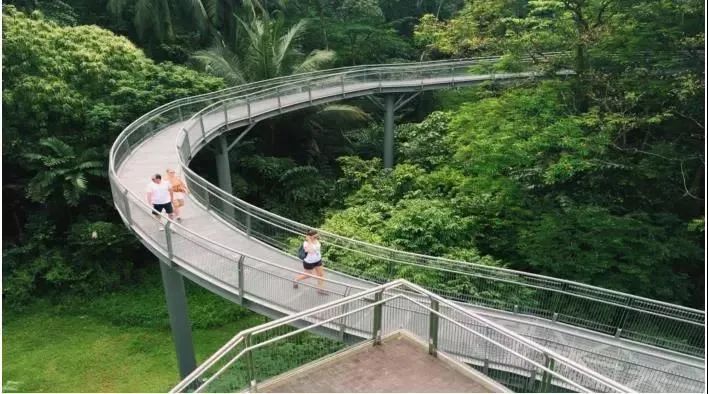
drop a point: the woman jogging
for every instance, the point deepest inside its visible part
(312, 261)
(180, 191)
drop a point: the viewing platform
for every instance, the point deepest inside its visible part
(400, 364)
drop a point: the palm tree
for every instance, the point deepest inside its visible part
(61, 172)
(156, 18)
(152, 17)
(268, 50)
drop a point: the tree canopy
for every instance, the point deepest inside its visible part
(597, 177)
(68, 92)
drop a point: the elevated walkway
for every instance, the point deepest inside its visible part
(240, 251)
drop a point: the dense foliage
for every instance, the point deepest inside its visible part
(69, 91)
(596, 178)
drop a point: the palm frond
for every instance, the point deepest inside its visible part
(202, 16)
(116, 7)
(57, 146)
(220, 62)
(316, 60)
(146, 19)
(285, 42)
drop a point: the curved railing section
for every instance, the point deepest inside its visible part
(527, 295)
(611, 312)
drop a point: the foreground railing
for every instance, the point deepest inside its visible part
(621, 315)
(580, 305)
(269, 284)
(232, 368)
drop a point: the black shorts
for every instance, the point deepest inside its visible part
(157, 208)
(309, 266)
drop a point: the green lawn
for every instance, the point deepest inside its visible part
(116, 342)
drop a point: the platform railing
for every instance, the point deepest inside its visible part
(625, 316)
(232, 367)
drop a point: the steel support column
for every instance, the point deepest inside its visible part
(388, 131)
(223, 169)
(223, 172)
(179, 319)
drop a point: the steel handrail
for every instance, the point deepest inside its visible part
(295, 232)
(504, 330)
(382, 289)
(252, 208)
(324, 75)
(274, 323)
(417, 256)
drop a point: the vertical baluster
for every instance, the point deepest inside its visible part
(378, 310)
(433, 327)
(240, 279)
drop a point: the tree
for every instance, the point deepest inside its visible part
(268, 50)
(71, 90)
(61, 173)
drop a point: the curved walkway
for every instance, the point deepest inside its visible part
(210, 248)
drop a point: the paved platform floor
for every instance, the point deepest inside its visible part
(399, 365)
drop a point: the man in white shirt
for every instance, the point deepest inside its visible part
(159, 195)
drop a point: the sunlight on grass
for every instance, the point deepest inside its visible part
(48, 351)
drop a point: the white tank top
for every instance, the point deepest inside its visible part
(313, 252)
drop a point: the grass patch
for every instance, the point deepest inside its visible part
(118, 342)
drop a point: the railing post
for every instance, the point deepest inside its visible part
(249, 362)
(248, 222)
(189, 148)
(127, 208)
(380, 82)
(168, 238)
(240, 279)
(341, 80)
(531, 382)
(179, 110)
(345, 309)
(309, 91)
(620, 324)
(546, 378)
(378, 309)
(207, 199)
(201, 122)
(277, 93)
(226, 114)
(248, 107)
(486, 350)
(452, 75)
(433, 335)
(556, 300)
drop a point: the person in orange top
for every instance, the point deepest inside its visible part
(179, 187)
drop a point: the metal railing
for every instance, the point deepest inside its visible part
(563, 301)
(368, 312)
(263, 281)
(611, 312)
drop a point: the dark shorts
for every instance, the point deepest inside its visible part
(309, 266)
(157, 208)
